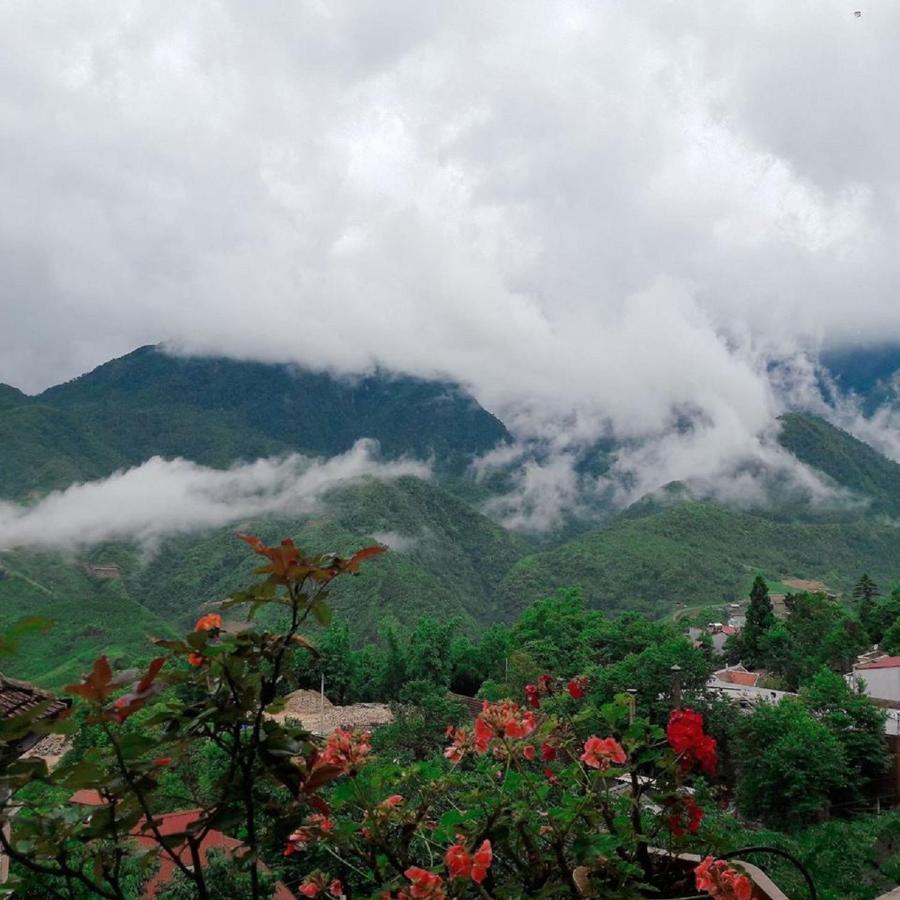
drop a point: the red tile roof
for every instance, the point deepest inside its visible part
(886, 662)
(729, 676)
(87, 797)
(171, 825)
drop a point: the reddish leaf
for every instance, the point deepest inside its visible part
(97, 685)
(352, 564)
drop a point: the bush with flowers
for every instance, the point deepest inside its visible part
(540, 796)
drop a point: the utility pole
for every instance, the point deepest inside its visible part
(676, 685)
(322, 706)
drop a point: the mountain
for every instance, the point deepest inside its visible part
(847, 461)
(697, 553)
(445, 559)
(217, 411)
(89, 615)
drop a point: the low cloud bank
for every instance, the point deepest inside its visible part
(164, 497)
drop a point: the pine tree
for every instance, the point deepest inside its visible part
(865, 590)
(760, 618)
(864, 593)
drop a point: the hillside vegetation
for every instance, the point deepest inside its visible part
(446, 560)
(848, 461)
(697, 553)
(86, 616)
(218, 411)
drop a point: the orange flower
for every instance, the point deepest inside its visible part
(209, 622)
(196, 659)
(600, 752)
(347, 750)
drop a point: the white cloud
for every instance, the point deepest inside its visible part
(164, 497)
(597, 216)
(399, 543)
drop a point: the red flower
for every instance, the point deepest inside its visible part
(425, 885)
(209, 622)
(577, 687)
(314, 885)
(528, 752)
(545, 684)
(196, 659)
(162, 761)
(481, 861)
(531, 694)
(392, 801)
(548, 752)
(684, 816)
(483, 735)
(686, 737)
(315, 827)
(551, 776)
(336, 889)
(721, 881)
(462, 864)
(458, 861)
(600, 752)
(460, 743)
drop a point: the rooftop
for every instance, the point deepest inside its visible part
(885, 662)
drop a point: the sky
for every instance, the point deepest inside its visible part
(597, 216)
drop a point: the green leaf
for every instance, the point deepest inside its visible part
(322, 613)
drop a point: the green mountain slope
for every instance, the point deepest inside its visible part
(88, 616)
(446, 559)
(842, 457)
(217, 411)
(697, 553)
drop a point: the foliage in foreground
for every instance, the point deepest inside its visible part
(538, 800)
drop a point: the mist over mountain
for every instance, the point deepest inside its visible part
(145, 467)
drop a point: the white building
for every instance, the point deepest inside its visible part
(881, 677)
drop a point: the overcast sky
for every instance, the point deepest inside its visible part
(598, 212)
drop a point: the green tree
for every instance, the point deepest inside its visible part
(857, 723)
(225, 879)
(865, 592)
(790, 764)
(890, 641)
(650, 674)
(760, 618)
(884, 614)
(394, 674)
(334, 661)
(421, 716)
(428, 652)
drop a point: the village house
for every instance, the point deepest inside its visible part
(880, 677)
(175, 828)
(741, 686)
(718, 634)
(17, 698)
